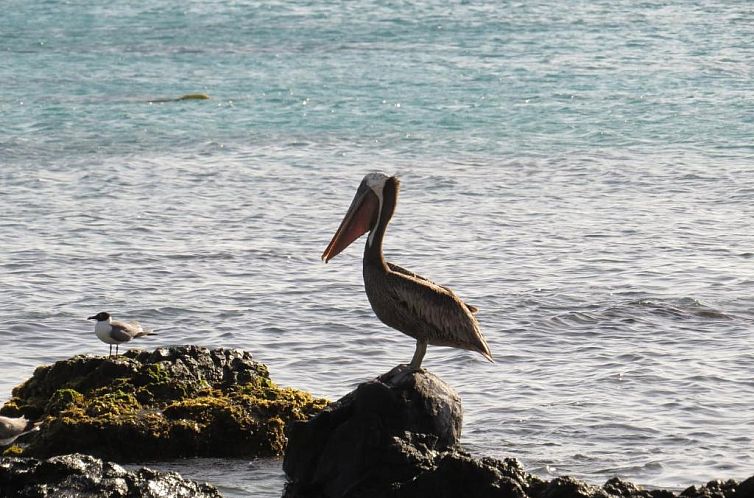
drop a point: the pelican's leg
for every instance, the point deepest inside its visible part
(402, 371)
(416, 361)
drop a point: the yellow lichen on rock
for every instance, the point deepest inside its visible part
(173, 402)
(13, 451)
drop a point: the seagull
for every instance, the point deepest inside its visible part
(11, 428)
(114, 332)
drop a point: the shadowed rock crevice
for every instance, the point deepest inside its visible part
(172, 402)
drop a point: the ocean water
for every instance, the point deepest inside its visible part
(583, 172)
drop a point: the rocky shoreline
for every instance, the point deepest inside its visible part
(398, 436)
(79, 475)
(170, 403)
(395, 436)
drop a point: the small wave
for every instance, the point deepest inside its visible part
(578, 317)
(649, 467)
(637, 310)
(201, 256)
(681, 308)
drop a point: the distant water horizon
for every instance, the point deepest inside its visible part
(580, 172)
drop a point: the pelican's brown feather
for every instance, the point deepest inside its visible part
(397, 269)
(423, 310)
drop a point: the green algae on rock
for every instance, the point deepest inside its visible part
(173, 402)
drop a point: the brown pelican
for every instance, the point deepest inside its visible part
(112, 332)
(430, 313)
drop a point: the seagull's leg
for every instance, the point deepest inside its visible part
(111, 351)
(116, 350)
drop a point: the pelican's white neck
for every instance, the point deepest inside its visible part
(376, 182)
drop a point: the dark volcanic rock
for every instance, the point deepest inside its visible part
(86, 476)
(397, 437)
(720, 489)
(619, 487)
(568, 487)
(367, 437)
(455, 473)
(173, 402)
(745, 489)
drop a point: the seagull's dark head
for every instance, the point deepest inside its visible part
(102, 316)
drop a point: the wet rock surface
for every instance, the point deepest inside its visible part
(86, 476)
(173, 402)
(372, 432)
(397, 436)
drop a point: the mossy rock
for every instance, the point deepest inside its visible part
(173, 402)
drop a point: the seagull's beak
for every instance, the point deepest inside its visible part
(92, 318)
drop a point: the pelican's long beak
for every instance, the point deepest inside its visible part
(360, 218)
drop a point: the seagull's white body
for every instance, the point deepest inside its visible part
(104, 331)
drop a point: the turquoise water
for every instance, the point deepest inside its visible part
(580, 171)
(462, 78)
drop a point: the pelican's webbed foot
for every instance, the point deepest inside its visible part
(399, 374)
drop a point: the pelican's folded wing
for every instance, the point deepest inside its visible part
(397, 269)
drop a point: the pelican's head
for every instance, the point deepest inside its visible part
(365, 212)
